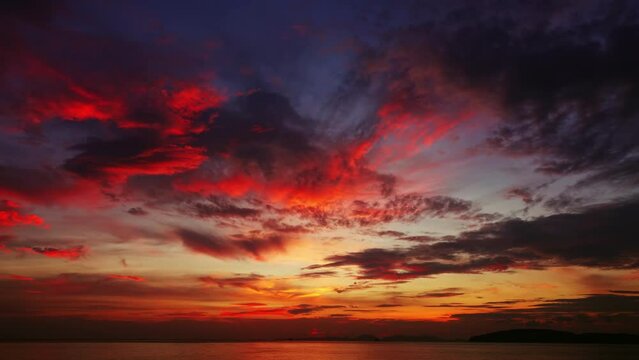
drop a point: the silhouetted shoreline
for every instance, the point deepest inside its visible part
(507, 336)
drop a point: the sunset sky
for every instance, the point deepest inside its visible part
(269, 169)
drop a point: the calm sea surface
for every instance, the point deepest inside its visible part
(312, 351)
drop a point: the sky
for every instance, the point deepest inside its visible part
(289, 169)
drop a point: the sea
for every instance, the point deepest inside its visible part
(314, 351)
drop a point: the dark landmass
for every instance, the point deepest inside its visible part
(508, 336)
(554, 336)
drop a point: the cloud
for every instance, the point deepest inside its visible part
(249, 281)
(525, 194)
(221, 207)
(304, 309)
(125, 277)
(71, 253)
(139, 85)
(625, 292)
(144, 153)
(441, 293)
(73, 293)
(563, 202)
(597, 311)
(362, 285)
(135, 110)
(16, 277)
(317, 274)
(263, 147)
(255, 247)
(269, 287)
(607, 313)
(36, 185)
(137, 211)
(390, 233)
(402, 264)
(282, 227)
(599, 236)
(259, 312)
(388, 305)
(409, 207)
(419, 238)
(301, 309)
(564, 91)
(233, 133)
(11, 215)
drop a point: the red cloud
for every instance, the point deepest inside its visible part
(317, 182)
(126, 277)
(16, 277)
(72, 253)
(145, 153)
(236, 185)
(10, 216)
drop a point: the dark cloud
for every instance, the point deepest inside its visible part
(145, 153)
(390, 233)
(409, 207)
(137, 211)
(282, 227)
(261, 129)
(624, 173)
(625, 292)
(220, 207)
(597, 303)
(361, 285)
(250, 246)
(563, 202)
(318, 274)
(566, 90)
(441, 293)
(37, 12)
(525, 194)
(304, 309)
(398, 264)
(40, 185)
(600, 236)
(420, 238)
(598, 311)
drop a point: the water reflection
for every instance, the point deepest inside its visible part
(313, 351)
